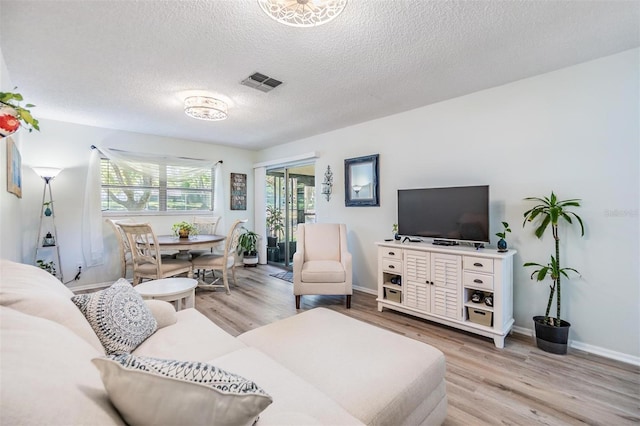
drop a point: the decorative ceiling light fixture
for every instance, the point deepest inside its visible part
(303, 13)
(205, 108)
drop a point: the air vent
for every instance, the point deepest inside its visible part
(261, 82)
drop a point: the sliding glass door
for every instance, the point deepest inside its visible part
(290, 198)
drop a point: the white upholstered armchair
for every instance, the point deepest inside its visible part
(322, 262)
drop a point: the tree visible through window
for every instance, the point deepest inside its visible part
(155, 187)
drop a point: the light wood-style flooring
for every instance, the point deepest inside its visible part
(517, 385)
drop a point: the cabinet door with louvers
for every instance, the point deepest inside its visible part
(417, 288)
(446, 272)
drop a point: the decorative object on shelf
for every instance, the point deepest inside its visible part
(50, 267)
(238, 191)
(14, 169)
(247, 245)
(502, 243)
(184, 229)
(205, 108)
(362, 187)
(47, 210)
(303, 13)
(275, 224)
(552, 334)
(46, 243)
(48, 240)
(327, 185)
(12, 114)
(394, 229)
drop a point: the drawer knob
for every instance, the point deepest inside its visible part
(479, 265)
(477, 281)
(391, 253)
(392, 267)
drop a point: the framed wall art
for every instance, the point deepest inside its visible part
(14, 169)
(361, 181)
(238, 191)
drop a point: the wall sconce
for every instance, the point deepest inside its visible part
(327, 185)
(356, 189)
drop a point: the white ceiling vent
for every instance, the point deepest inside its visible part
(261, 82)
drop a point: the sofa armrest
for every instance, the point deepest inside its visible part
(163, 312)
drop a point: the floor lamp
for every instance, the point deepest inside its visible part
(50, 240)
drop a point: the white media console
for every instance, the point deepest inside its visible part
(437, 284)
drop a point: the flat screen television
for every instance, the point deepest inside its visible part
(445, 214)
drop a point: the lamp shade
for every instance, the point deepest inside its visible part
(47, 173)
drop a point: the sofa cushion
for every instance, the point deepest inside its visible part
(389, 375)
(33, 291)
(151, 391)
(322, 242)
(118, 315)
(295, 401)
(193, 337)
(323, 271)
(46, 375)
(163, 312)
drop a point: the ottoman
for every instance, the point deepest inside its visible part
(379, 377)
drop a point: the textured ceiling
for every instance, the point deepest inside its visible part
(129, 64)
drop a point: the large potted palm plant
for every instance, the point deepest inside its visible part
(552, 334)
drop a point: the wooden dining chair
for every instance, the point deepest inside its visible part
(147, 261)
(205, 225)
(223, 263)
(126, 260)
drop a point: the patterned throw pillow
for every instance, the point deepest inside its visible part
(151, 391)
(118, 315)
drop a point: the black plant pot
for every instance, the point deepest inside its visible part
(552, 339)
(272, 241)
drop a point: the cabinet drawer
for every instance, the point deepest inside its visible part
(480, 264)
(475, 280)
(391, 265)
(391, 253)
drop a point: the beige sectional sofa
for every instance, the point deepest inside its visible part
(320, 367)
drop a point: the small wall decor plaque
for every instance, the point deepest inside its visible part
(238, 191)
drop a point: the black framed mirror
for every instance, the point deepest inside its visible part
(362, 185)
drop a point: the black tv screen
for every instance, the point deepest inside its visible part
(456, 213)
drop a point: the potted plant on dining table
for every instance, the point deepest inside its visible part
(184, 229)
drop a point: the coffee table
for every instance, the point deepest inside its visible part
(174, 290)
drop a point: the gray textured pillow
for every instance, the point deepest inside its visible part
(118, 315)
(151, 391)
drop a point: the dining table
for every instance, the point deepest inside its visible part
(184, 245)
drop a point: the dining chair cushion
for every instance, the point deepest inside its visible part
(118, 316)
(323, 271)
(168, 266)
(210, 261)
(151, 391)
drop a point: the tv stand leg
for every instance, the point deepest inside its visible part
(499, 342)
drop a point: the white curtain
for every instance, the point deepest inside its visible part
(92, 245)
(219, 199)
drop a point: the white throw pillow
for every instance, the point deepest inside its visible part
(118, 315)
(152, 391)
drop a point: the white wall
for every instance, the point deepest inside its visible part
(10, 218)
(67, 146)
(574, 131)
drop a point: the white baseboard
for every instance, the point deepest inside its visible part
(585, 347)
(94, 286)
(365, 290)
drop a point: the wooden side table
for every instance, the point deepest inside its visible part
(174, 290)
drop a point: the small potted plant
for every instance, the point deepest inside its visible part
(184, 229)
(247, 245)
(12, 114)
(50, 267)
(275, 225)
(394, 229)
(552, 334)
(502, 243)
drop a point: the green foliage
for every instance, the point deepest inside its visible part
(184, 226)
(394, 228)
(24, 115)
(247, 241)
(503, 234)
(549, 212)
(275, 222)
(50, 267)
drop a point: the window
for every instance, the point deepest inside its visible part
(155, 186)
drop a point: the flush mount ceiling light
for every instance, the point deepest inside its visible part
(205, 108)
(303, 13)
